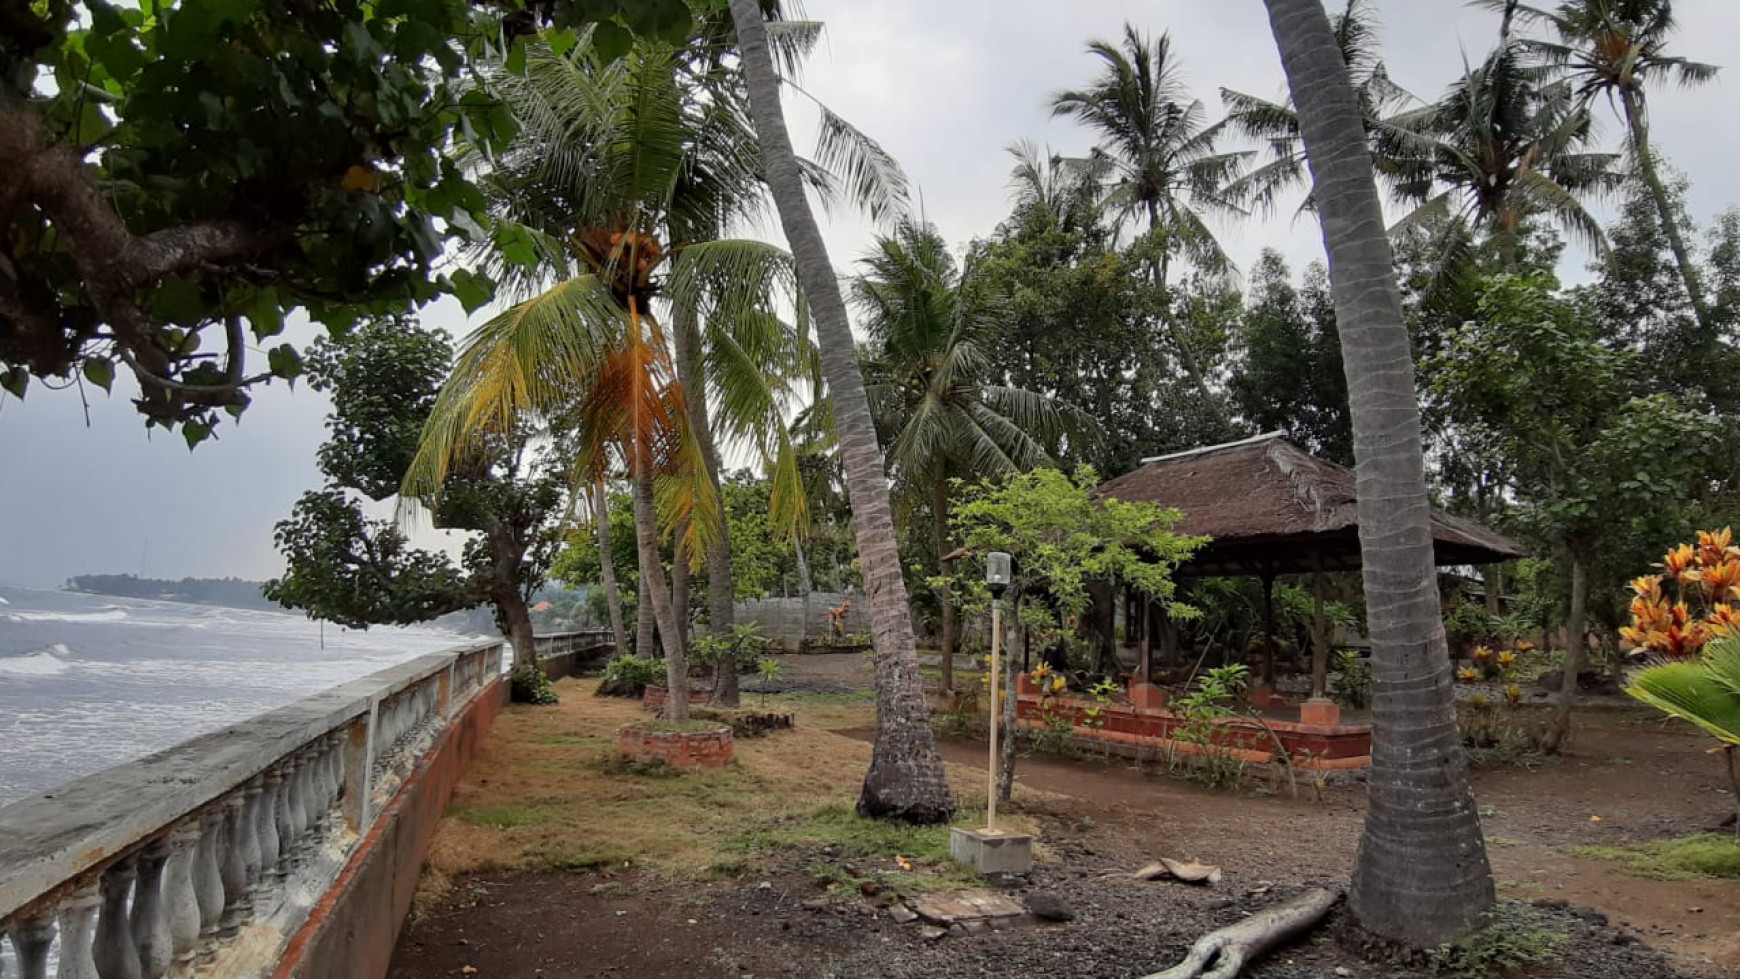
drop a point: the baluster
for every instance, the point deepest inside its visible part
(311, 803)
(150, 925)
(78, 931)
(281, 821)
(334, 758)
(270, 843)
(208, 883)
(179, 897)
(340, 745)
(295, 787)
(31, 939)
(115, 954)
(252, 800)
(238, 840)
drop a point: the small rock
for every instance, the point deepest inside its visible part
(1591, 915)
(1049, 907)
(902, 914)
(1342, 970)
(817, 904)
(869, 888)
(931, 933)
(765, 885)
(976, 927)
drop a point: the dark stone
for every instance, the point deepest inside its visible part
(1591, 915)
(1049, 907)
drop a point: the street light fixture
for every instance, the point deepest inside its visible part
(997, 565)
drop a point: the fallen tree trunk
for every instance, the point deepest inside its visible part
(1229, 948)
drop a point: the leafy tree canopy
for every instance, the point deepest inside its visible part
(182, 175)
(1062, 538)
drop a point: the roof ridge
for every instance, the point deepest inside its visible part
(1205, 449)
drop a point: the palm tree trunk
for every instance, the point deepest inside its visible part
(721, 613)
(1159, 271)
(939, 506)
(1664, 209)
(681, 575)
(644, 623)
(905, 780)
(652, 576)
(806, 583)
(607, 569)
(1422, 876)
(1554, 739)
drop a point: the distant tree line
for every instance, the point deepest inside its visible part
(228, 592)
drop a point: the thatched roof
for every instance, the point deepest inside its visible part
(1273, 508)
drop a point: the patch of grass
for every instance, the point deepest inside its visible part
(548, 791)
(566, 737)
(507, 816)
(1513, 937)
(1684, 858)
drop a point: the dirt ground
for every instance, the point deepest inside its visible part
(1627, 778)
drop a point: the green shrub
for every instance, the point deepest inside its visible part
(1514, 937)
(629, 676)
(528, 685)
(1350, 683)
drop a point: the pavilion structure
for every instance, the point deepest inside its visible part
(1272, 509)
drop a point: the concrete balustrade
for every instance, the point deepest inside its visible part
(205, 859)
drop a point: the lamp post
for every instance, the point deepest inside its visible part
(996, 580)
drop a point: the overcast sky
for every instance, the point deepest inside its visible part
(945, 86)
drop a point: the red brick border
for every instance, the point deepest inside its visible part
(684, 749)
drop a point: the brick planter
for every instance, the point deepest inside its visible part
(710, 748)
(655, 697)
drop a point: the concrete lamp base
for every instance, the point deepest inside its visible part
(992, 853)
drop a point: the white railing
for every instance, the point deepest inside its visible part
(203, 859)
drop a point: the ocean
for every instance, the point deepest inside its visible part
(90, 681)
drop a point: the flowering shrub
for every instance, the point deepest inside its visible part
(1706, 583)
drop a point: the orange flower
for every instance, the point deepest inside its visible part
(1723, 618)
(1468, 674)
(1721, 581)
(1512, 694)
(1716, 545)
(1647, 587)
(1523, 645)
(1482, 654)
(1679, 562)
(1506, 659)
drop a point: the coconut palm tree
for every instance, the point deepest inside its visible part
(619, 166)
(1160, 151)
(1500, 148)
(925, 374)
(905, 779)
(1276, 124)
(1422, 875)
(1617, 49)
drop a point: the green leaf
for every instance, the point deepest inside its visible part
(472, 290)
(15, 381)
(611, 41)
(195, 433)
(516, 245)
(668, 20)
(265, 315)
(516, 59)
(100, 372)
(284, 362)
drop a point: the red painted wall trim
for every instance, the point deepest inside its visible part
(351, 932)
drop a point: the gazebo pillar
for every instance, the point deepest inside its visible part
(1269, 628)
(1319, 635)
(1145, 643)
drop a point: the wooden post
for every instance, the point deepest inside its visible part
(1144, 642)
(1269, 628)
(1319, 633)
(995, 712)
